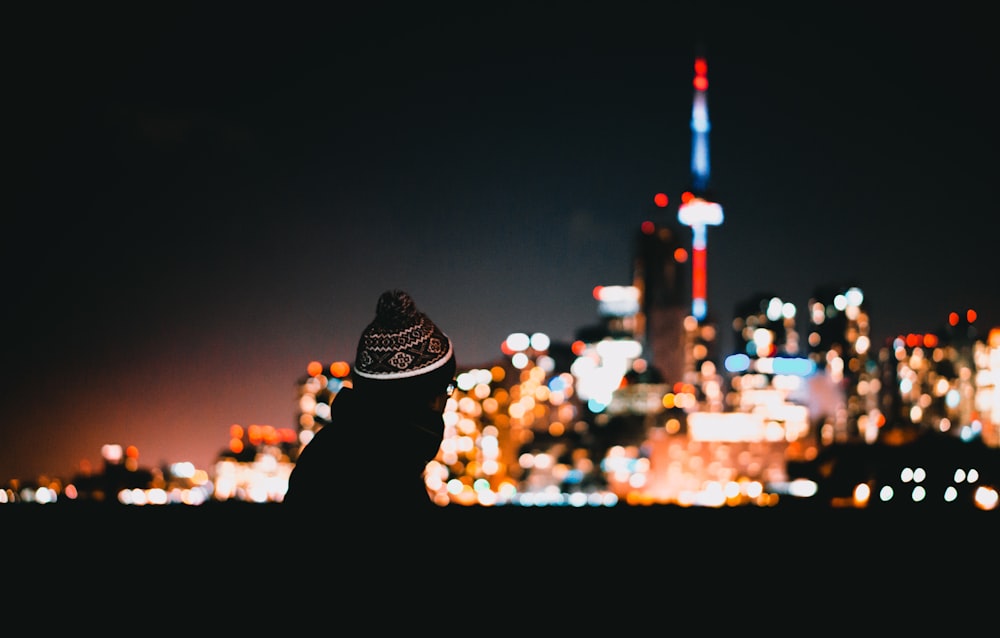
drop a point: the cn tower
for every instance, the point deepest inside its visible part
(696, 209)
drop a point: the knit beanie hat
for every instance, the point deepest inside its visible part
(401, 342)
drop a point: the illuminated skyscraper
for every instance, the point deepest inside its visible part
(696, 209)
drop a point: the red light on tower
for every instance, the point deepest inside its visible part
(700, 74)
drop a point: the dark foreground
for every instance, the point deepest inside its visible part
(569, 565)
(610, 531)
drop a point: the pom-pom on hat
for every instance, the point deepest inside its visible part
(401, 342)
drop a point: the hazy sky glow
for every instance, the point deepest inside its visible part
(208, 199)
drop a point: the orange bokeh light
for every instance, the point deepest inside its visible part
(340, 369)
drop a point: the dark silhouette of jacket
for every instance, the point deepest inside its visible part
(370, 456)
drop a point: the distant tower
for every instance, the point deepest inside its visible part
(696, 209)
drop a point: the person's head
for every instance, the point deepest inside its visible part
(403, 357)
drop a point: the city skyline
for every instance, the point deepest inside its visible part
(235, 192)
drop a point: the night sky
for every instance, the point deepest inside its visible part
(203, 198)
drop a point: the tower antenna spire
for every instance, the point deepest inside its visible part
(700, 127)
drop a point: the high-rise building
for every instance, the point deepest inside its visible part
(659, 274)
(840, 346)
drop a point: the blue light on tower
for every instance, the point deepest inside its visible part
(700, 127)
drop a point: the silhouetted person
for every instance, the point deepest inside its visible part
(384, 430)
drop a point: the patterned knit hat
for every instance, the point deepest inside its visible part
(401, 341)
